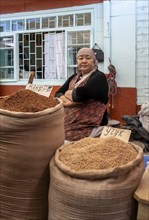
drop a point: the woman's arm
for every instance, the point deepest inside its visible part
(96, 88)
(64, 94)
(61, 91)
(67, 102)
(68, 95)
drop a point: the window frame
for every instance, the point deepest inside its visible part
(76, 30)
(43, 14)
(15, 52)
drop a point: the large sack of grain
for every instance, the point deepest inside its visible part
(31, 129)
(94, 179)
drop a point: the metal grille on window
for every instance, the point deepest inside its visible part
(42, 53)
(42, 45)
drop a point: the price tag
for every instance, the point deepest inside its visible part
(122, 134)
(44, 90)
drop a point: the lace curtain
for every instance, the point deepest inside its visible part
(54, 56)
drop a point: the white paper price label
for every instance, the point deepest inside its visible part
(122, 134)
(44, 90)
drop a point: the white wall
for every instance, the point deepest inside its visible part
(123, 36)
(142, 51)
(130, 45)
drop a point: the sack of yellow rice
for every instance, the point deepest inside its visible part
(95, 179)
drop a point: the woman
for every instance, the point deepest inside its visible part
(84, 95)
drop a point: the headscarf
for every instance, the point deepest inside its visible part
(83, 51)
(87, 51)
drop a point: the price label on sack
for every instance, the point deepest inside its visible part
(122, 134)
(44, 90)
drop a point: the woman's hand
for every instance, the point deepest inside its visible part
(67, 102)
(68, 95)
(63, 98)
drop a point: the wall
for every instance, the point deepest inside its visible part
(130, 45)
(32, 5)
(123, 41)
(142, 51)
(122, 54)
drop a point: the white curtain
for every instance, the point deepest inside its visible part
(54, 55)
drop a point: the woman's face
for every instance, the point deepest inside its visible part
(85, 63)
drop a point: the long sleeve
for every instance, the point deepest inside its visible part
(61, 91)
(96, 88)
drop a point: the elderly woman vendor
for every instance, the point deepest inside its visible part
(84, 96)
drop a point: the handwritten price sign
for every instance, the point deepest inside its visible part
(44, 90)
(122, 134)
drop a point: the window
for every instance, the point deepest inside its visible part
(18, 25)
(83, 19)
(49, 22)
(76, 40)
(4, 26)
(42, 53)
(6, 58)
(65, 21)
(44, 44)
(33, 24)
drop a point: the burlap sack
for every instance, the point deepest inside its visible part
(27, 143)
(95, 194)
